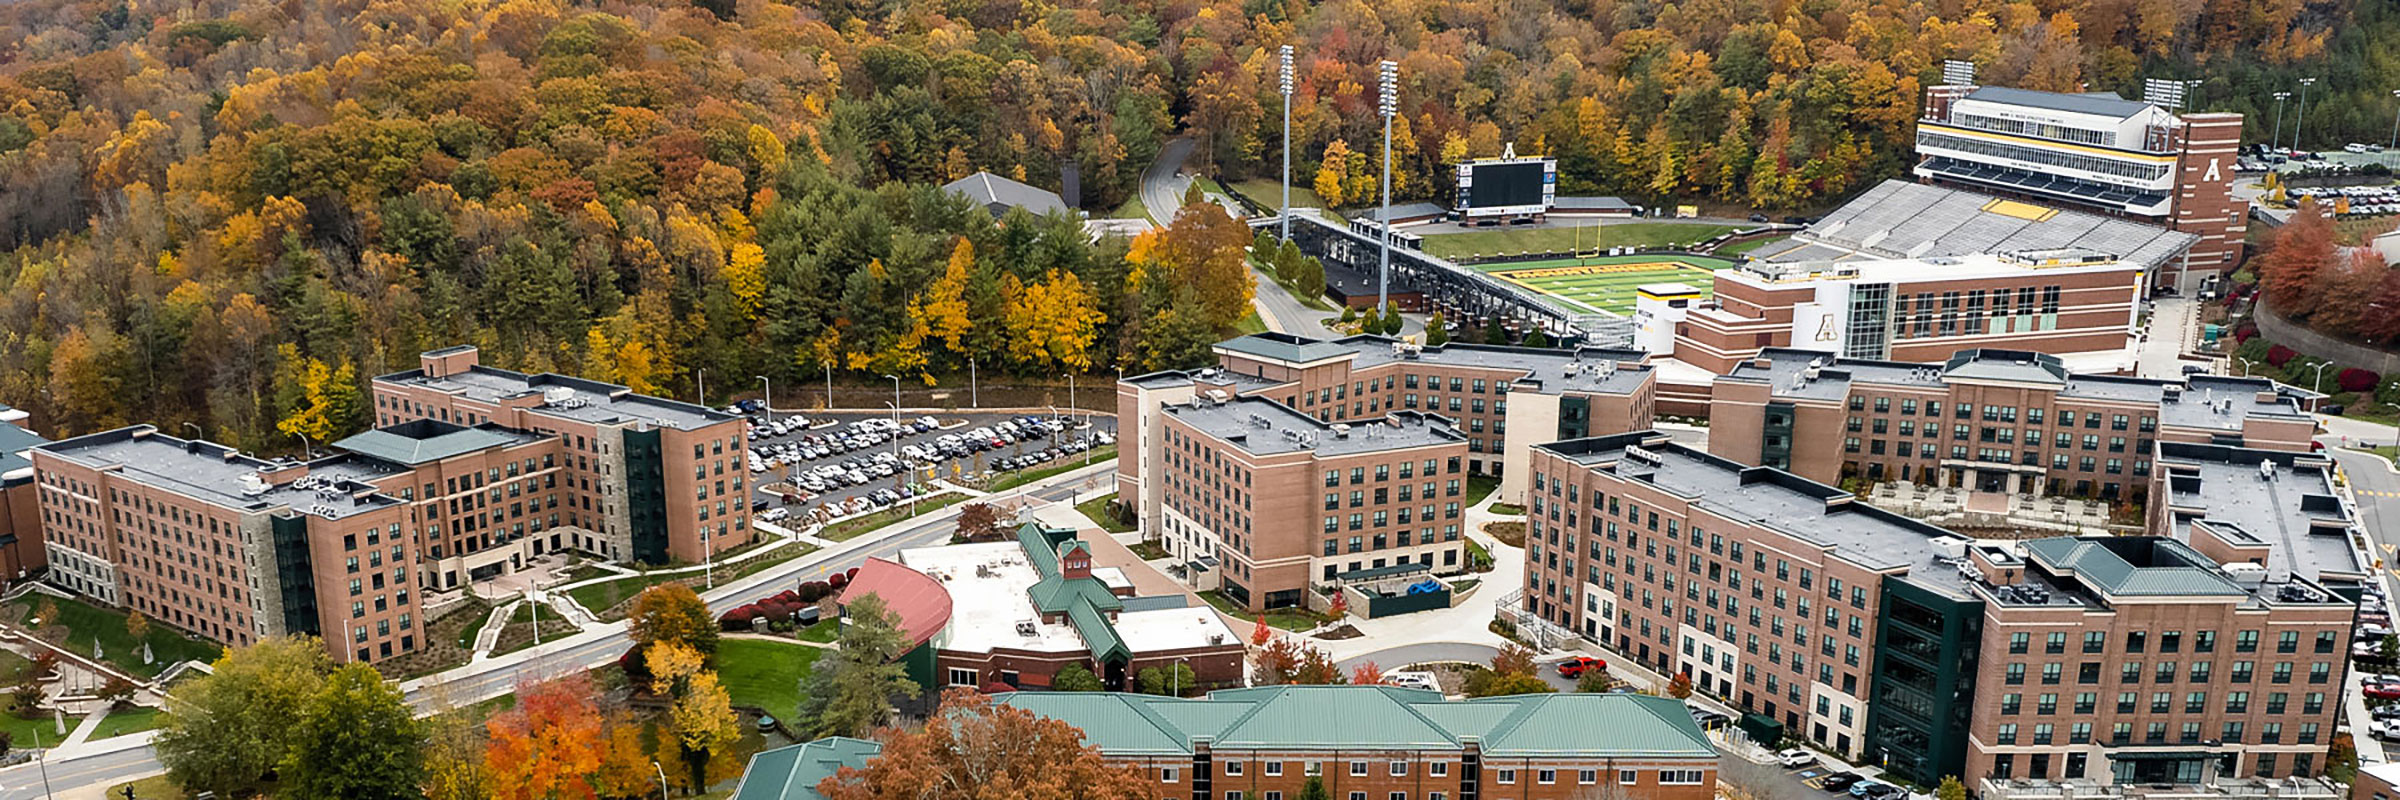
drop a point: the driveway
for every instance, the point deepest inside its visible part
(1162, 188)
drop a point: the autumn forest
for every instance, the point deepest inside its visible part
(231, 213)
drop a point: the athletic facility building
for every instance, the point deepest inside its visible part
(2094, 151)
(2069, 301)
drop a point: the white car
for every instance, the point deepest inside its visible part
(2385, 729)
(1412, 680)
(1795, 758)
(774, 514)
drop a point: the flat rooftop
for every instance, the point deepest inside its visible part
(1916, 270)
(2291, 507)
(2201, 402)
(576, 399)
(1267, 427)
(988, 584)
(1770, 498)
(1592, 370)
(333, 487)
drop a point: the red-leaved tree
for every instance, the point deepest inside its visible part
(2302, 246)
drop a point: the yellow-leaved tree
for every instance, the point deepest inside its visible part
(1050, 322)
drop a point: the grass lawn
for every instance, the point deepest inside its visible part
(1479, 558)
(1290, 619)
(824, 632)
(1584, 238)
(765, 674)
(1508, 509)
(2388, 452)
(79, 623)
(1743, 248)
(600, 597)
(1480, 487)
(127, 720)
(854, 527)
(1269, 193)
(1249, 323)
(21, 732)
(1132, 209)
(1072, 461)
(13, 668)
(155, 787)
(1097, 509)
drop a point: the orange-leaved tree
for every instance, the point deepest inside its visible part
(550, 745)
(983, 749)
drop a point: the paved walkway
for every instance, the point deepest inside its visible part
(1468, 623)
(488, 636)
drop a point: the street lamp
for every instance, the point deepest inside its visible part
(2245, 365)
(2277, 140)
(1388, 78)
(662, 780)
(197, 433)
(2300, 112)
(905, 471)
(974, 392)
(703, 376)
(770, 399)
(2318, 383)
(2395, 146)
(1285, 81)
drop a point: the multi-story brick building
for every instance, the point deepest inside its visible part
(2073, 302)
(1991, 420)
(1494, 402)
(1387, 743)
(480, 500)
(622, 464)
(2097, 151)
(232, 548)
(1259, 500)
(2212, 647)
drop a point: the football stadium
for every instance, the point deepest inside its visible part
(1605, 284)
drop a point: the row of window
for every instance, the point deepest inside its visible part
(2172, 642)
(2046, 704)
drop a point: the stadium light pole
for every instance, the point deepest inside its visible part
(2300, 112)
(2395, 146)
(1284, 76)
(1389, 78)
(2277, 140)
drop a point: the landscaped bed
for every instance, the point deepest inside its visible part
(606, 599)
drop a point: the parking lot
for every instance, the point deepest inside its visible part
(860, 460)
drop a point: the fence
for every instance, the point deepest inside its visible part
(2311, 343)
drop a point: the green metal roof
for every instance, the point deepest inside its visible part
(428, 441)
(1041, 546)
(1098, 634)
(2169, 567)
(793, 772)
(14, 441)
(1354, 717)
(1285, 347)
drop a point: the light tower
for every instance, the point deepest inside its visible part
(1388, 77)
(2300, 112)
(2277, 140)
(1284, 76)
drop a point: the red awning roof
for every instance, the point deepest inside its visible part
(921, 602)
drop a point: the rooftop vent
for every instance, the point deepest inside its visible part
(1341, 430)
(253, 485)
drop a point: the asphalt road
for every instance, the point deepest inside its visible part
(973, 462)
(1162, 189)
(592, 648)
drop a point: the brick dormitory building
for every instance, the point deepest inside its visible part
(1300, 460)
(2208, 650)
(1989, 420)
(473, 471)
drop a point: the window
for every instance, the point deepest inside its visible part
(1399, 768)
(962, 677)
(1627, 777)
(1168, 775)
(1358, 768)
(1233, 768)
(1545, 776)
(1506, 776)
(1674, 777)
(1438, 769)
(1587, 777)
(1274, 768)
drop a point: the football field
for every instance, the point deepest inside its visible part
(1606, 284)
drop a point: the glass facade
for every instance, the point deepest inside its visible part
(1926, 650)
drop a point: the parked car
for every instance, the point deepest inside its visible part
(1575, 667)
(2382, 691)
(1874, 790)
(1412, 680)
(1841, 781)
(1795, 758)
(2385, 729)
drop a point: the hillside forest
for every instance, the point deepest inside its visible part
(232, 213)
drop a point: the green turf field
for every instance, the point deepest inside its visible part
(1606, 283)
(1440, 241)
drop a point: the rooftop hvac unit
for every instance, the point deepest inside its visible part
(1643, 455)
(1026, 627)
(1341, 430)
(557, 395)
(2266, 470)
(1216, 396)
(253, 485)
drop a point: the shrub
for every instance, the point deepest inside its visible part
(2243, 332)
(2280, 355)
(851, 573)
(837, 580)
(813, 591)
(2353, 379)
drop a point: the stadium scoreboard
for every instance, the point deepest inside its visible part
(1506, 187)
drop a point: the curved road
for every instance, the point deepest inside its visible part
(1162, 188)
(594, 647)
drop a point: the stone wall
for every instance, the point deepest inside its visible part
(2311, 343)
